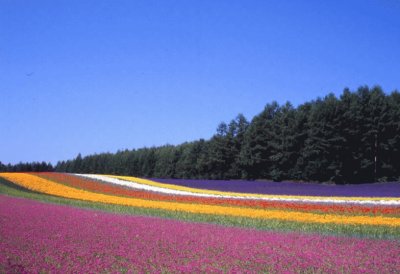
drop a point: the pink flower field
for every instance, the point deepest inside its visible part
(39, 237)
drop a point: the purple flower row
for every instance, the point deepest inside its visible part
(37, 237)
(391, 189)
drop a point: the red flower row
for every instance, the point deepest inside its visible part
(96, 186)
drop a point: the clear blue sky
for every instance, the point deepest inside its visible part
(97, 76)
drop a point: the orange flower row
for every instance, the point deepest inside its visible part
(95, 186)
(46, 186)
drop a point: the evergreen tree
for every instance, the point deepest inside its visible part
(220, 156)
(257, 149)
(3, 167)
(354, 138)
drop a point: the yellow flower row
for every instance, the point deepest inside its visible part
(235, 194)
(49, 187)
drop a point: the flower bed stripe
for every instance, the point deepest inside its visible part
(46, 186)
(47, 238)
(145, 184)
(235, 194)
(387, 189)
(97, 186)
(377, 232)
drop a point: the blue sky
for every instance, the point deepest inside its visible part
(97, 76)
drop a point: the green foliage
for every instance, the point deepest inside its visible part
(28, 167)
(351, 139)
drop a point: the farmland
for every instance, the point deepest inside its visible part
(59, 222)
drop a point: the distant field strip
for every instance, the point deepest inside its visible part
(120, 190)
(145, 184)
(46, 186)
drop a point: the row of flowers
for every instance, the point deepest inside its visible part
(47, 238)
(387, 189)
(113, 189)
(50, 187)
(183, 190)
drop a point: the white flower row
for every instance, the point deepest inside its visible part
(163, 190)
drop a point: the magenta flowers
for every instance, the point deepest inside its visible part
(51, 238)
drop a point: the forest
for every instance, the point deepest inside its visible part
(354, 138)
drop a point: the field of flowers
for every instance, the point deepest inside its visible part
(194, 227)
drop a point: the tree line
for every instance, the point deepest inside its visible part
(27, 167)
(351, 139)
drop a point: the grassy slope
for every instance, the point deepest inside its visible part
(10, 189)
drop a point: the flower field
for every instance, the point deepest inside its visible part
(187, 227)
(290, 188)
